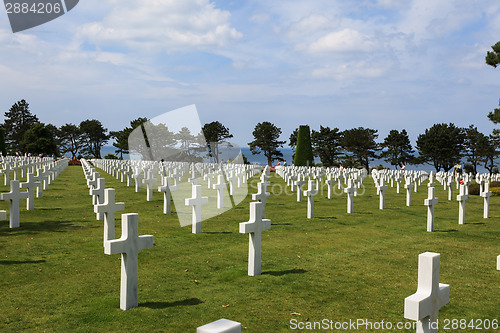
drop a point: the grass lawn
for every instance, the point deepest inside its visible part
(55, 277)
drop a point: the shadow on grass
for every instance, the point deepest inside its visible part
(163, 305)
(449, 230)
(217, 232)
(54, 208)
(14, 262)
(281, 224)
(289, 271)
(35, 227)
(325, 217)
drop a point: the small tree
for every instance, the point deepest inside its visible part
(441, 145)
(266, 140)
(398, 149)
(215, 133)
(94, 136)
(304, 152)
(360, 143)
(327, 145)
(39, 139)
(18, 120)
(70, 139)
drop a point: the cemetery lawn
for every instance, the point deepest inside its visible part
(55, 277)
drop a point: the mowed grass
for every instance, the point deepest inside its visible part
(55, 277)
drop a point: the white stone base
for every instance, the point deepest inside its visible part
(220, 326)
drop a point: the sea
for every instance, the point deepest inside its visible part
(288, 157)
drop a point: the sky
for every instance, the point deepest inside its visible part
(382, 64)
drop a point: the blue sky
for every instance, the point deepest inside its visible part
(383, 64)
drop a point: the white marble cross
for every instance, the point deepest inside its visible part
(350, 195)
(299, 183)
(450, 187)
(486, 195)
(382, 188)
(108, 209)
(329, 182)
(129, 244)
(6, 172)
(196, 201)
(310, 193)
(254, 227)
(461, 204)
(30, 185)
(97, 194)
(150, 182)
(262, 196)
(408, 187)
(220, 187)
(138, 176)
(14, 196)
(166, 189)
(430, 202)
(232, 179)
(424, 305)
(498, 263)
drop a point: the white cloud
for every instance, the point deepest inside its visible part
(162, 25)
(341, 41)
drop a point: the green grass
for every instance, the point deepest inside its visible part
(55, 277)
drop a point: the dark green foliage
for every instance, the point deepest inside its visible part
(293, 139)
(18, 120)
(304, 153)
(493, 58)
(266, 140)
(215, 133)
(494, 115)
(39, 139)
(360, 146)
(441, 145)
(94, 136)
(111, 157)
(3, 149)
(398, 149)
(70, 139)
(121, 141)
(477, 146)
(327, 145)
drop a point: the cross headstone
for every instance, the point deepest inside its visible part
(424, 305)
(14, 196)
(167, 188)
(329, 182)
(97, 194)
(310, 193)
(30, 184)
(350, 195)
(382, 188)
(254, 227)
(6, 172)
(408, 187)
(262, 196)
(138, 176)
(196, 201)
(299, 183)
(129, 244)
(220, 187)
(108, 209)
(450, 187)
(461, 204)
(150, 182)
(430, 202)
(486, 195)
(498, 263)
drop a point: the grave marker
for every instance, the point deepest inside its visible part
(196, 201)
(108, 209)
(424, 305)
(254, 227)
(129, 244)
(14, 196)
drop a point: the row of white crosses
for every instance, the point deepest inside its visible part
(32, 182)
(128, 245)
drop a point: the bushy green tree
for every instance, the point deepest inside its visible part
(304, 153)
(441, 146)
(39, 139)
(397, 148)
(70, 139)
(327, 145)
(360, 146)
(94, 136)
(18, 120)
(266, 139)
(215, 133)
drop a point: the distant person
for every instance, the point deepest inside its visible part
(403, 167)
(284, 163)
(457, 169)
